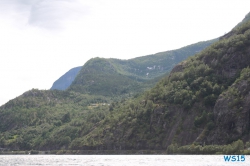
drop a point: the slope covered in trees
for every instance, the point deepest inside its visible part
(53, 119)
(203, 101)
(112, 77)
(47, 120)
(246, 19)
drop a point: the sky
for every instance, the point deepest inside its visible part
(40, 40)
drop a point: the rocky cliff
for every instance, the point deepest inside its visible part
(204, 100)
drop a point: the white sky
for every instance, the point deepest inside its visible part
(40, 40)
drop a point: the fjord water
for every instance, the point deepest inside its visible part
(121, 160)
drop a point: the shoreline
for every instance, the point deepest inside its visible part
(86, 152)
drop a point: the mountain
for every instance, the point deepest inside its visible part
(112, 77)
(99, 76)
(152, 66)
(246, 19)
(48, 119)
(65, 80)
(204, 100)
(53, 119)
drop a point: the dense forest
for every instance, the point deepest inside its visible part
(200, 107)
(132, 71)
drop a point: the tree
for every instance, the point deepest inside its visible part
(66, 118)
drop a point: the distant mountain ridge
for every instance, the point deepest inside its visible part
(151, 66)
(65, 80)
(145, 67)
(129, 72)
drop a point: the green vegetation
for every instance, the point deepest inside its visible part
(181, 108)
(236, 147)
(48, 119)
(113, 77)
(246, 19)
(201, 106)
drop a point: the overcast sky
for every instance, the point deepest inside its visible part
(40, 40)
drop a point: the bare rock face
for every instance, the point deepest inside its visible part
(232, 114)
(178, 68)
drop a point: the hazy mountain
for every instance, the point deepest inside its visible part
(65, 80)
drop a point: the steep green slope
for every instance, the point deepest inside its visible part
(138, 69)
(112, 77)
(246, 19)
(204, 100)
(152, 66)
(47, 120)
(65, 80)
(231, 111)
(54, 119)
(99, 77)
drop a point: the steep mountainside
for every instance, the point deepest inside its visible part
(112, 77)
(99, 77)
(246, 19)
(47, 120)
(139, 69)
(65, 80)
(152, 66)
(204, 100)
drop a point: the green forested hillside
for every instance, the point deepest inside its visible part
(46, 120)
(99, 77)
(246, 19)
(152, 66)
(114, 77)
(203, 101)
(121, 77)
